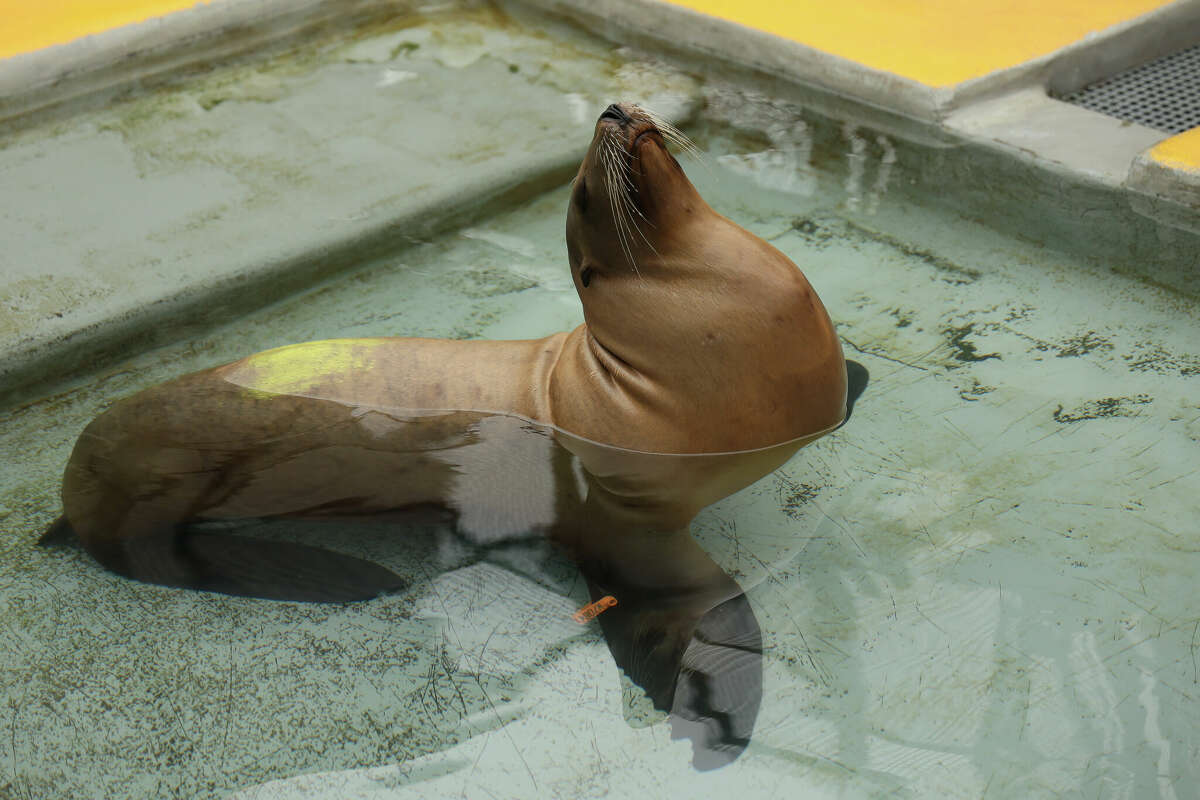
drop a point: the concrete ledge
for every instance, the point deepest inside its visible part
(88, 337)
(186, 207)
(1009, 110)
(1171, 171)
(201, 34)
(1064, 137)
(677, 28)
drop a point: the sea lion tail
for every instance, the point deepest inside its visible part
(58, 534)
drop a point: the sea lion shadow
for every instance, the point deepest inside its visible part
(681, 628)
(691, 643)
(857, 378)
(537, 502)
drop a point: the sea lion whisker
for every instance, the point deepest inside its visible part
(620, 160)
(622, 168)
(626, 237)
(673, 135)
(686, 145)
(667, 128)
(631, 209)
(616, 166)
(680, 139)
(615, 208)
(624, 211)
(612, 165)
(634, 208)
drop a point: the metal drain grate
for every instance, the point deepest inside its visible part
(1162, 94)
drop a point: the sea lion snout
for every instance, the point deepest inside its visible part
(632, 121)
(615, 112)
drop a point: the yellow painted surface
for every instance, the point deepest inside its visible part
(934, 42)
(1180, 152)
(28, 25)
(301, 369)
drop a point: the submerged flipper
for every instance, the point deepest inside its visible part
(719, 689)
(706, 672)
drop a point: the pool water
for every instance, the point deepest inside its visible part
(983, 585)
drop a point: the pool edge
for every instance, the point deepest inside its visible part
(1001, 109)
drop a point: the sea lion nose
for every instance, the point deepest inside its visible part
(614, 111)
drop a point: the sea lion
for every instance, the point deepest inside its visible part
(699, 338)
(704, 362)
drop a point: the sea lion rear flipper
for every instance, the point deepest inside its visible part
(274, 570)
(59, 533)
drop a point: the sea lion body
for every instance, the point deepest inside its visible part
(705, 360)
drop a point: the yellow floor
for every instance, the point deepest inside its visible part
(1180, 152)
(934, 42)
(29, 25)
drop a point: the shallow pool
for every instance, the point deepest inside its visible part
(982, 586)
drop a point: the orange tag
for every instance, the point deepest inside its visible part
(593, 610)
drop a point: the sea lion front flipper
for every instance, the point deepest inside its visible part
(719, 690)
(706, 671)
(646, 643)
(275, 570)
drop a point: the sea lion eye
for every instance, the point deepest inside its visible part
(585, 276)
(581, 196)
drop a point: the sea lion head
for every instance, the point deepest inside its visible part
(629, 193)
(691, 316)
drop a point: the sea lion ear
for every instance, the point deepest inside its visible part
(580, 196)
(585, 276)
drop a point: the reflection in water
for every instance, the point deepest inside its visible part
(785, 167)
(857, 160)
